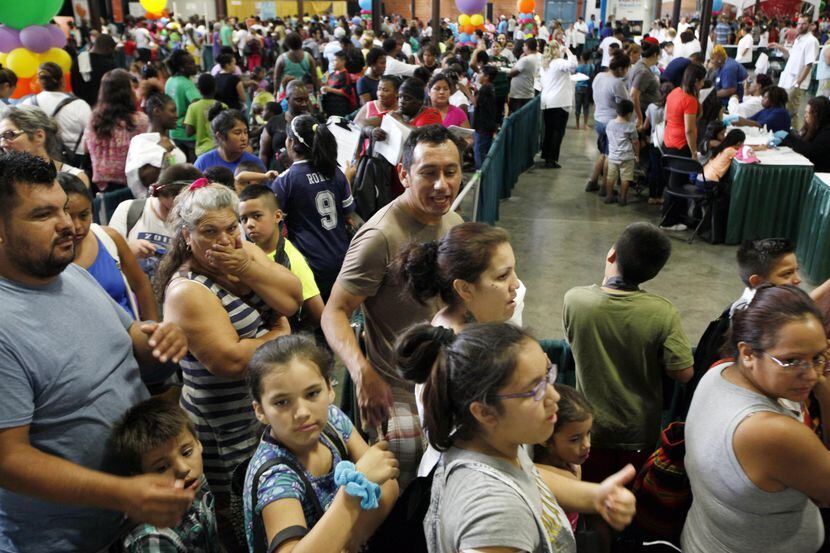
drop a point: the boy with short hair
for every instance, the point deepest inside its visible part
(623, 148)
(261, 218)
(156, 436)
(486, 114)
(196, 121)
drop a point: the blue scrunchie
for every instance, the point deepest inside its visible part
(357, 485)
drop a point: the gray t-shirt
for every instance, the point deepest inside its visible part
(521, 86)
(67, 370)
(620, 135)
(608, 91)
(470, 509)
(641, 78)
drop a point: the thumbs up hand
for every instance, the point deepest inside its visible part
(614, 502)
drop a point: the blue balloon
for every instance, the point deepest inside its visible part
(365, 4)
(464, 37)
(717, 5)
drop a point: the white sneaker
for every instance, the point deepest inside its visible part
(675, 228)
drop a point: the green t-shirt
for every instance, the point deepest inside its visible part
(196, 117)
(622, 343)
(183, 91)
(226, 35)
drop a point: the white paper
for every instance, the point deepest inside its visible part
(396, 135)
(347, 142)
(461, 131)
(825, 178)
(782, 156)
(576, 77)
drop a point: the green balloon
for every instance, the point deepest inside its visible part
(20, 14)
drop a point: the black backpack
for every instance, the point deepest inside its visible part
(372, 184)
(403, 529)
(238, 490)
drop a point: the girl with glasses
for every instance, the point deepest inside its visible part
(755, 468)
(488, 390)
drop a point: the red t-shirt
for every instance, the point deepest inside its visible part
(678, 104)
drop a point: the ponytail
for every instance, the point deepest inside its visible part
(457, 371)
(416, 269)
(315, 142)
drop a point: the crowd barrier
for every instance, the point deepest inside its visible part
(511, 154)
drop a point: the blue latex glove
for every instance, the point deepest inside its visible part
(774, 141)
(729, 119)
(781, 135)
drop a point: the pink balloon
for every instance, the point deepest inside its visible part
(36, 38)
(470, 6)
(58, 36)
(9, 38)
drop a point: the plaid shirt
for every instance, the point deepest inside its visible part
(195, 534)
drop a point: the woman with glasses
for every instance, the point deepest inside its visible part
(489, 390)
(28, 129)
(755, 468)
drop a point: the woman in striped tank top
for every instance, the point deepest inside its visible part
(229, 299)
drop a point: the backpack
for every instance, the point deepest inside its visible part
(238, 490)
(372, 185)
(403, 529)
(67, 154)
(134, 213)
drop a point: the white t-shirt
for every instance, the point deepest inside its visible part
(803, 52)
(141, 37)
(605, 46)
(330, 49)
(399, 68)
(557, 86)
(145, 150)
(744, 54)
(71, 119)
(148, 227)
(581, 32)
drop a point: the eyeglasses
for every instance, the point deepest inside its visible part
(538, 391)
(818, 364)
(10, 136)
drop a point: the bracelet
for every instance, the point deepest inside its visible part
(357, 485)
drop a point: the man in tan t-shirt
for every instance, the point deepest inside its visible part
(430, 172)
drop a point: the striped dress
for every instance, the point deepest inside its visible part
(221, 407)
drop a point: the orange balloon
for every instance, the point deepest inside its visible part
(526, 6)
(24, 87)
(67, 82)
(469, 29)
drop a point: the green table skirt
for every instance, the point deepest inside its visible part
(765, 201)
(813, 246)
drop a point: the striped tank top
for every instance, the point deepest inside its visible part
(221, 407)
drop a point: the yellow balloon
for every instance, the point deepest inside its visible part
(477, 20)
(154, 6)
(3, 57)
(463, 19)
(23, 62)
(59, 56)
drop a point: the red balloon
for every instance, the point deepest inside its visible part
(526, 6)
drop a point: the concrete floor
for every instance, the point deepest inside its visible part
(561, 234)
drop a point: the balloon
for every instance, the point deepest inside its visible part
(59, 56)
(526, 6)
(717, 5)
(463, 19)
(36, 38)
(20, 14)
(23, 62)
(470, 6)
(3, 59)
(365, 4)
(153, 16)
(24, 88)
(467, 30)
(477, 20)
(153, 6)
(464, 37)
(9, 38)
(58, 36)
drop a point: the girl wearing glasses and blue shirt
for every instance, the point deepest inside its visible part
(756, 471)
(488, 390)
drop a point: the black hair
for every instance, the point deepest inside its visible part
(649, 49)
(430, 134)
(778, 97)
(531, 44)
(252, 166)
(373, 55)
(713, 129)
(115, 104)
(758, 257)
(148, 71)
(820, 108)
(206, 83)
(20, 168)
(732, 138)
(315, 142)
(394, 80)
(389, 45)
(224, 59)
(572, 406)
(691, 76)
(73, 185)
(771, 308)
(470, 367)
(221, 175)
(178, 60)
(642, 250)
(7, 76)
(154, 97)
(185, 172)
(491, 72)
(625, 107)
(293, 41)
(50, 76)
(255, 191)
(429, 269)
(619, 60)
(223, 120)
(422, 73)
(275, 353)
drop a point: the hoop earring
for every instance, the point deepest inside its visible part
(187, 247)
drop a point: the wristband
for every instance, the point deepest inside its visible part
(357, 485)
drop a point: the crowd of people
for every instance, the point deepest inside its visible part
(168, 372)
